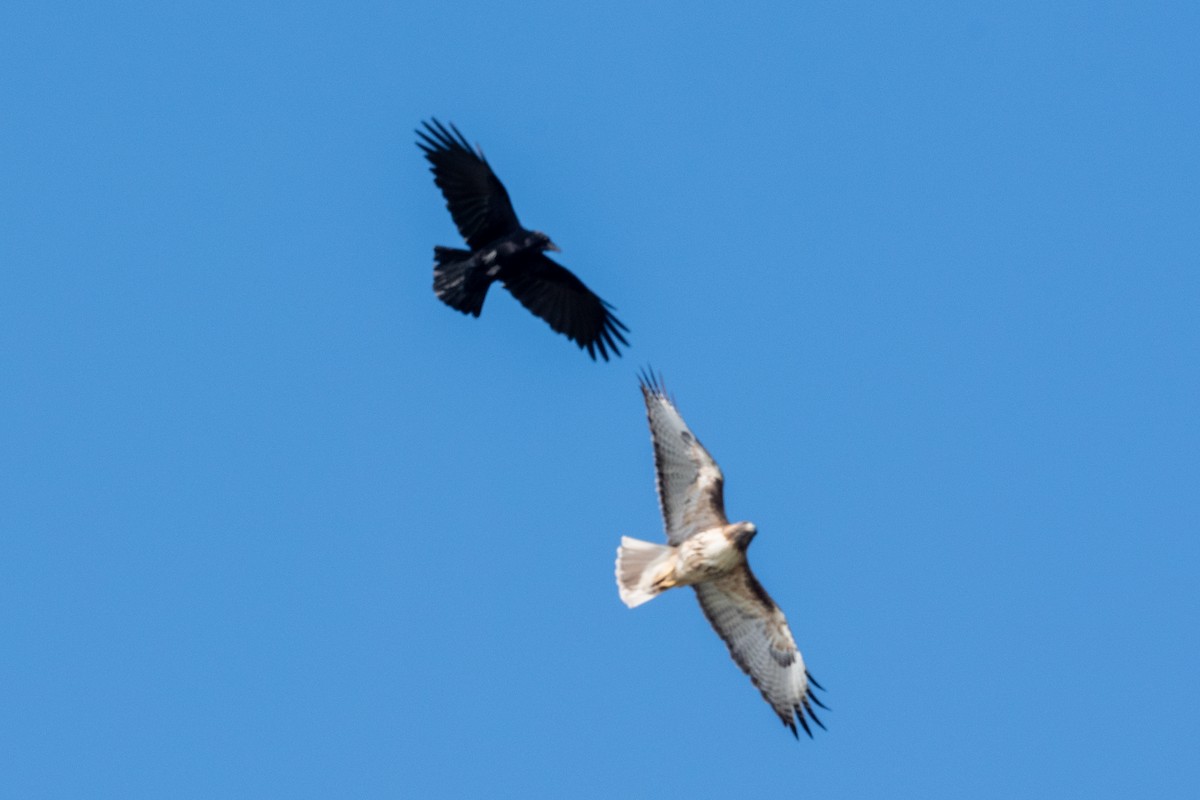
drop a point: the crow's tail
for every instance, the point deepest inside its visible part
(458, 281)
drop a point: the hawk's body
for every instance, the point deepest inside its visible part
(708, 553)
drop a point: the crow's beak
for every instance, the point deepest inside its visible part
(554, 247)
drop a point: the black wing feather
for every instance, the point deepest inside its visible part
(476, 198)
(553, 293)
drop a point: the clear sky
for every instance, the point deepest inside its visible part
(277, 523)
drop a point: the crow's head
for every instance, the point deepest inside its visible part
(542, 242)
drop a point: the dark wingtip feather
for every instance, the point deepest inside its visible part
(813, 716)
(442, 132)
(609, 334)
(606, 338)
(803, 723)
(613, 327)
(427, 144)
(612, 317)
(432, 134)
(650, 382)
(439, 139)
(653, 383)
(813, 680)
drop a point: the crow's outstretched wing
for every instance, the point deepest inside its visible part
(476, 198)
(551, 291)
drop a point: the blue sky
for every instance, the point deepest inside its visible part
(277, 523)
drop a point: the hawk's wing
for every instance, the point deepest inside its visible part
(759, 640)
(476, 198)
(689, 481)
(552, 291)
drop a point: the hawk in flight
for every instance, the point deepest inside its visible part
(502, 250)
(707, 552)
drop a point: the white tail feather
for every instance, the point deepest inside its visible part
(640, 565)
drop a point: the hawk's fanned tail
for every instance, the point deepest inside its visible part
(639, 565)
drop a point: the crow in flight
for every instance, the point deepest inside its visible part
(503, 250)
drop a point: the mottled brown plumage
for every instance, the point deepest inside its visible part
(707, 552)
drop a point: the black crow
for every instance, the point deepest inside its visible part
(503, 250)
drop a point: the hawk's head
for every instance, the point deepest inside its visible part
(741, 533)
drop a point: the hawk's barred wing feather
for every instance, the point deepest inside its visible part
(690, 484)
(757, 634)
